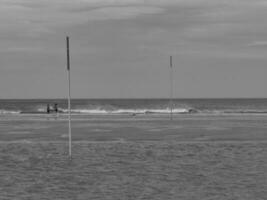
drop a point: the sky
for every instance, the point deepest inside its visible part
(121, 48)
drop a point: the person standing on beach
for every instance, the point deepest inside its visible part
(55, 108)
(48, 108)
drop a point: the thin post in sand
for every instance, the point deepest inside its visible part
(69, 97)
(171, 88)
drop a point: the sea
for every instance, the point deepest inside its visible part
(136, 106)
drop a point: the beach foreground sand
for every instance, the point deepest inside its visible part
(120, 157)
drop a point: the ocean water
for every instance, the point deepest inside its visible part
(137, 106)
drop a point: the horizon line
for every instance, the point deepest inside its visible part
(128, 98)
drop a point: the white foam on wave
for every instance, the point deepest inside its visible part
(86, 111)
(9, 111)
(128, 111)
(103, 111)
(41, 110)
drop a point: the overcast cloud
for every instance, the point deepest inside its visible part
(120, 48)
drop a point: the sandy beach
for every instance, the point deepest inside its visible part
(141, 157)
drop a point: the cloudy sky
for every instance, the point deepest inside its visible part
(121, 48)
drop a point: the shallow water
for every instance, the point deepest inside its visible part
(187, 158)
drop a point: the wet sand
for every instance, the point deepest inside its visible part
(125, 157)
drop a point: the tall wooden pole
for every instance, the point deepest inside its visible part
(69, 97)
(171, 87)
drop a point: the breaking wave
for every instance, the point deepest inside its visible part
(137, 107)
(100, 111)
(3, 111)
(128, 111)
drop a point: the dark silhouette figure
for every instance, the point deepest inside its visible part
(55, 108)
(48, 109)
